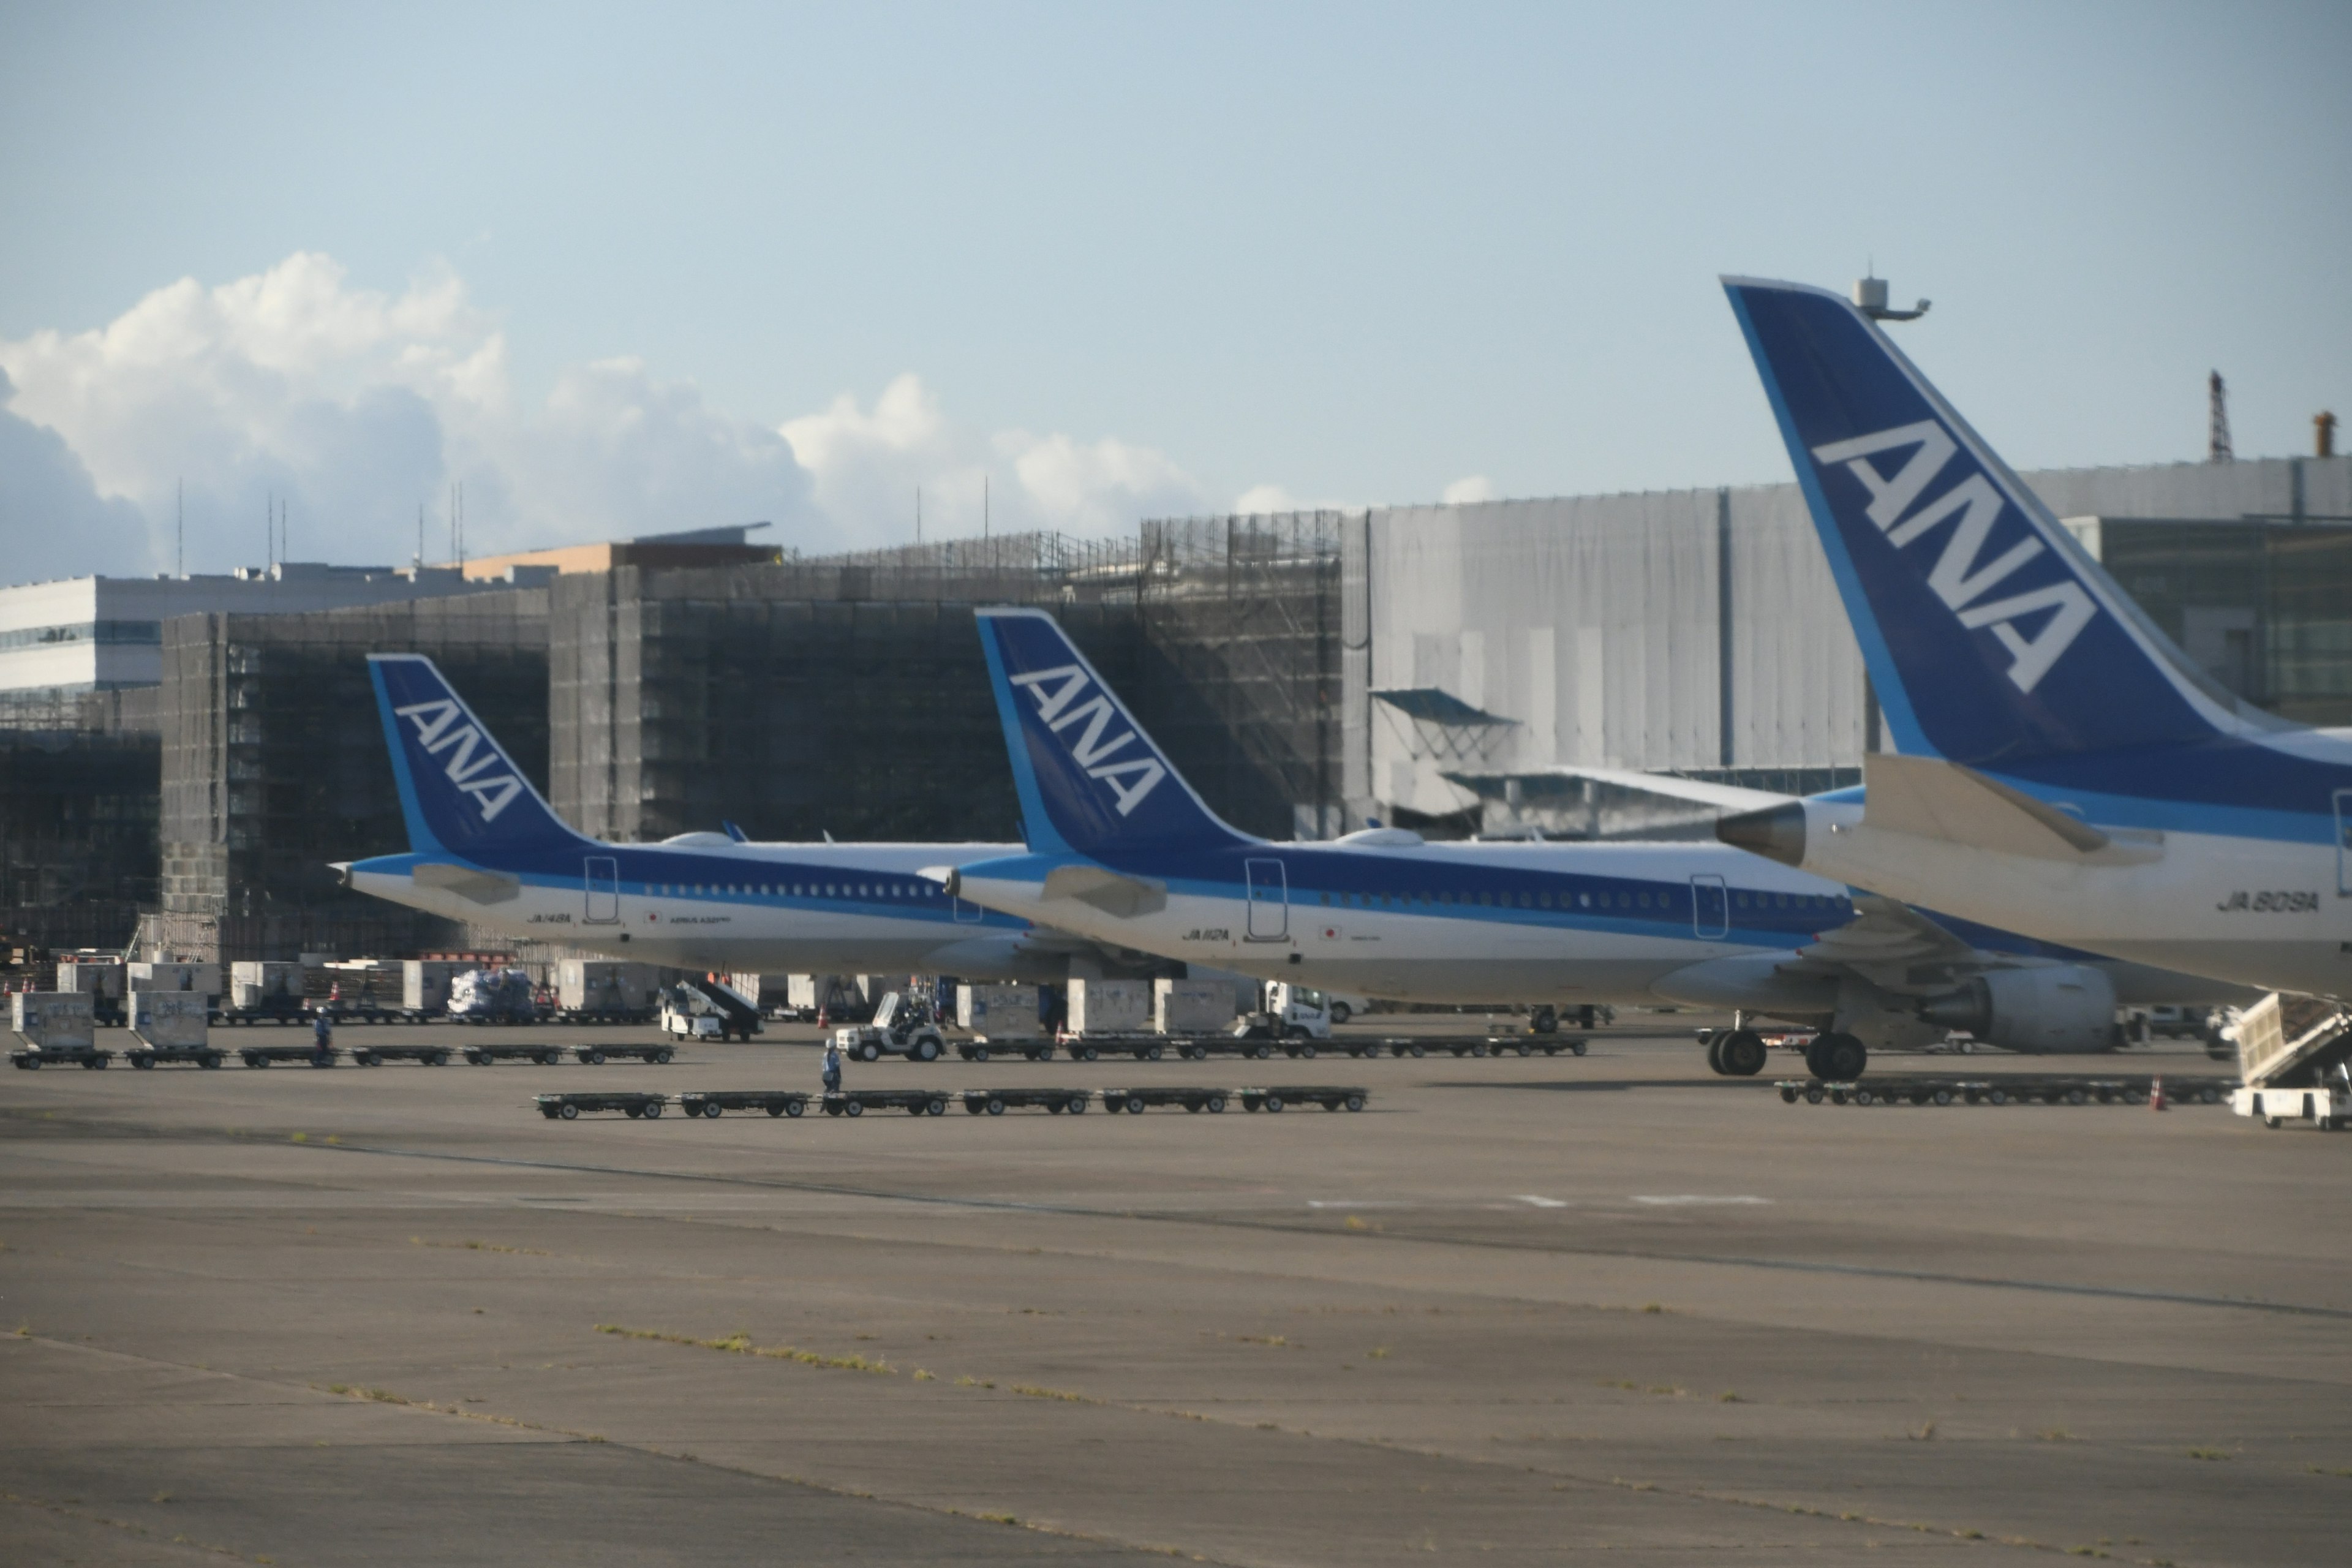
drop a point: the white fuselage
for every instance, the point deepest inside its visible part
(2267, 912)
(797, 907)
(1409, 923)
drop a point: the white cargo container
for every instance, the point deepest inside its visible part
(204, 979)
(604, 986)
(98, 978)
(424, 983)
(1192, 1006)
(1111, 1006)
(52, 1020)
(1000, 1011)
(807, 992)
(169, 1018)
(255, 983)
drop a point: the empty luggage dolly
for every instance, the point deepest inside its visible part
(2012, 1090)
(1136, 1101)
(981, 1048)
(423, 1055)
(632, 1105)
(858, 1101)
(1275, 1096)
(310, 1056)
(712, 1102)
(596, 1054)
(996, 1101)
(542, 1053)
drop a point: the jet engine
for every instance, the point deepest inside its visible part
(2066, 1009)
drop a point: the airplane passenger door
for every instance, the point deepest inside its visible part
(1710, 908)
(603, 879)
(2344, 843)
(1269, 900)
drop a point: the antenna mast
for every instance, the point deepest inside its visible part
(180, 511)
(2217, 425)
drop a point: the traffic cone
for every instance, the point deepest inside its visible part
(2155, 1101)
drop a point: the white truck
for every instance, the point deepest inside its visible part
(1289, 1013)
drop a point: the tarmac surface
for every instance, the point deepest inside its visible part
(1608, 1310)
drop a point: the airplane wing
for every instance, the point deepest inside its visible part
(1693, 792)
(1896, 948)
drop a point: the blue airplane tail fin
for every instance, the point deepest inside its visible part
(458, 791)
(1991, 634)
(1090, 780)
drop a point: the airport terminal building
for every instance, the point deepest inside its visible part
(183, 783)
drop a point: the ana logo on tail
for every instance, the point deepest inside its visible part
(438, 729)
(1057, 691)
(1956, 577)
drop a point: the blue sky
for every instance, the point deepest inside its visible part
(622, 268)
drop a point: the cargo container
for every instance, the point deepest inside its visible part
(204, 979)
(169, 1018)
(52, 1020)
(1191, 1007)
(1000, 1011)
(607, 988)
(1109, 1006)
(425, 985)
(259, 987)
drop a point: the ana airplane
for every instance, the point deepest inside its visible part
(1120, 848)
(484, 847)
(2063, 768)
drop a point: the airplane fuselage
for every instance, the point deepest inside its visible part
(797, 907)
(1565, 924)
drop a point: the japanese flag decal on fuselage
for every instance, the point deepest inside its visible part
(1973, 507)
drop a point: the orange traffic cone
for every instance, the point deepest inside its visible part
(2155, 1101)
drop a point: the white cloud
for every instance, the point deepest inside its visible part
(1260, 500)
(355, 405)
(1462, 491)
(867, 464)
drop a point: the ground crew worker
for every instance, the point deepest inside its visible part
(832, 1068)
(322, 1034)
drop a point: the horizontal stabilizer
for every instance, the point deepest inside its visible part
(1667, 787)
(1927, 797)
(481, 886)
(1113, 894)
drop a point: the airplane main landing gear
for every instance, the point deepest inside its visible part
(1836, 1058)
(1737, 1053)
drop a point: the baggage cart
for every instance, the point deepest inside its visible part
(712, 1102)
(541, 1052)
(174, 1056)
(629, 1103)
(34, 1058)
(599, 1053)
(996, 1101)
(266, 1055)
(1136, 1101)
(1330, 1097)
(985, 1047)
(858, 1101)
(423, 1055)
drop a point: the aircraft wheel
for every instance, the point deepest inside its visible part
(1741, 1053)
(1838, 1058)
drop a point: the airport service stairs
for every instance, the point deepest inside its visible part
(742, 1014)
(2293, 1042)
